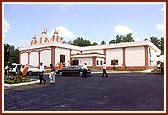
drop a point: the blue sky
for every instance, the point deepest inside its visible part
(94, 22)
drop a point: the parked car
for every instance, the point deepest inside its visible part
(72, 70)
(31, 70)
(15, 69)
(18, 69)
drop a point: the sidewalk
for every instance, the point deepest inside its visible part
(112, 71)
(19, 84)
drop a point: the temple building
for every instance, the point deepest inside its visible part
(123, 56)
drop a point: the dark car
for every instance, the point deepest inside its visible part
(72, 70)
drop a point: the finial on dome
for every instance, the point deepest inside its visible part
(56, 31)
(34, 37)
(45, 31)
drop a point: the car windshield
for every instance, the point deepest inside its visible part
(73, 67)
(30, 66)
(13, 66)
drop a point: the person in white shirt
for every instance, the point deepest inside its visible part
(84, 70)
(104, 70)
(52, 75)
(41, 73)
(6, 70)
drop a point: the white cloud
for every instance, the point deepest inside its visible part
(63, 32)
(6, 27)
(163, 8)
(160, 27)
(122, 29)
(137, 38)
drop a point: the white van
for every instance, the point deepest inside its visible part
(15, 69)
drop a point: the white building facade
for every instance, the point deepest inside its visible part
(123, 56)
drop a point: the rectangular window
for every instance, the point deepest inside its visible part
(114, 62)
(97, 62)
(101, 62)
(62, 59)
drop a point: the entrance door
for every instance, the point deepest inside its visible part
(62, 59)
(75, 62)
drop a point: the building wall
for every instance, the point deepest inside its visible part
(88, 61)
(89, 51)
(34, 58)
(152, 55)
(24, 58)
(62, 51)
(45, 57)
(112, 54)
(75, 52)
(135, 56)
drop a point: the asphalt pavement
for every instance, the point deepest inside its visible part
(118, 92)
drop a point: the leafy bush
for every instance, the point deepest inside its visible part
(15, 79)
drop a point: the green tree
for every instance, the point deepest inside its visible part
(112, 42)
(11, 54)
(128, 38)
(155, 41)
(161, 47)
(119, 38)
(158, 43)
(81, 42)
(70, 42)
(122, 38)
(94, 44)
(103, 43)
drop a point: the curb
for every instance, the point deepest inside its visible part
(20, 84)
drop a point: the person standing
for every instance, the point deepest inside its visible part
(162, 67)
(84, 70)
(61, 65)
(25, 70)
(6, 70)
(41, 73)
(52, 75)
(104, 69)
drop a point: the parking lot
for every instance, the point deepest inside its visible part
(118, 92)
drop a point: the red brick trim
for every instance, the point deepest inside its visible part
(70, 58)
(88, 53)
(94, 61)
(53, 55)
(123, 54)
(146, 57)
(39, 58)
(104, 52)
(28, 57)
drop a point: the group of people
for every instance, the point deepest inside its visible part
(103, 67)
(52, 73)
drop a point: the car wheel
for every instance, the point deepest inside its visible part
(29, 73)
(81, 74)
(60, 73)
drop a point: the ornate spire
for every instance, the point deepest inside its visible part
(56, 32)
(33, 41)
(45, 30)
